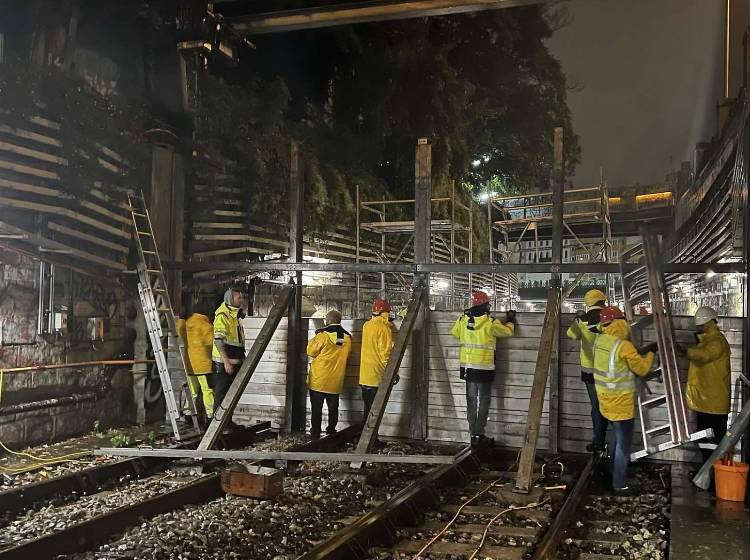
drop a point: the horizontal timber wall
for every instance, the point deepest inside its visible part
(264, 398)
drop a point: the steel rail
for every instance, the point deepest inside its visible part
(18, 500)
(88, 534)
(378, 526)
(547, 548)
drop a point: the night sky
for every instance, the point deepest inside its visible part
(650, 73)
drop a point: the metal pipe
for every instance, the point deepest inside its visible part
(76, 365)
(47, 403)
(51, 310)
(40, 301)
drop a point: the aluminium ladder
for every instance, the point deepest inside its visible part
(663, 416)
(160, 318)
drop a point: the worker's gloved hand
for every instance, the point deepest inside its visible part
(397, 378)
(510, 317)
(462, 373)
(580, 314)
(653, 347)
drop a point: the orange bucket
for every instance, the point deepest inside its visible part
(731, 481)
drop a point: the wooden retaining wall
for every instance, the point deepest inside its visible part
(264, 398)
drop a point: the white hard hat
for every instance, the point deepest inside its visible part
(704, 315)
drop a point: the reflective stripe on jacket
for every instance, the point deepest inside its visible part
(199, 340)
(328, 366)
(377, 342)
(709, 375)
(586, 353)
(227, 328)
(478, 344)
(616, 362)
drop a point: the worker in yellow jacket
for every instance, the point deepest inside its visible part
(589, 320)
(199, 341)
(709, 376)
(377, 342)
(228, 350)
(329, 350)
(477, 332)
(616, 363)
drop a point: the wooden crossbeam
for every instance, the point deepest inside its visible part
(249, 455)
(538, 390)
(372, 422)
(223, 411)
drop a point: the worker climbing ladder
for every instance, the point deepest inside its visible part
(160, 318)
(663, 416)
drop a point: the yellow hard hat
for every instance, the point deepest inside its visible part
(592, 297)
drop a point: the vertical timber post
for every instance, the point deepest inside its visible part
(558, 205)
(296, 401)
(746, 257)
(420, 334)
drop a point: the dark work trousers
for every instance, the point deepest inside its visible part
(620, 453)
(717, 422)
(599, 422)
(478, 398)
(220, 382)
(368, 396)
(316, 415)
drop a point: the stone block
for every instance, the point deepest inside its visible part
(38, 429)
(12, 434)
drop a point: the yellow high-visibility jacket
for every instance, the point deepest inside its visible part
(617, 362)
(181, 326)
(227, 328)
(586, 353)
(377, 342)
(478, 343)
(199, 339)
(709, 375)
(329, 358)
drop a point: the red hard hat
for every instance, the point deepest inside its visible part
(381, 306)
(478, 297)
(609, 314)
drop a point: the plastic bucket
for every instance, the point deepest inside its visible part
(731, 481)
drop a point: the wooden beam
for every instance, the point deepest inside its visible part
(372, 422)
(223, 411)
(538, 390)
(363, 12)
(419, 387)
(296, 397)
(54, 226)
(249, 455)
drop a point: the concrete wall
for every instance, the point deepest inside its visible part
(264, 398)
(62, 402)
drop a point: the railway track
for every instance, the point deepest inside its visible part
(462, 510)
(466, 511)
(73, 511)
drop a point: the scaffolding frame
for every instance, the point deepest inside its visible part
(451, 240)
(527, 212)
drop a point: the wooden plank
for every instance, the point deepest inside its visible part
(62, 211)
(106, 212)
(29, 135)
(538, 390)
(29, 170)
(250, 455)
(31, 153)
(20, 186)
(54, 226)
